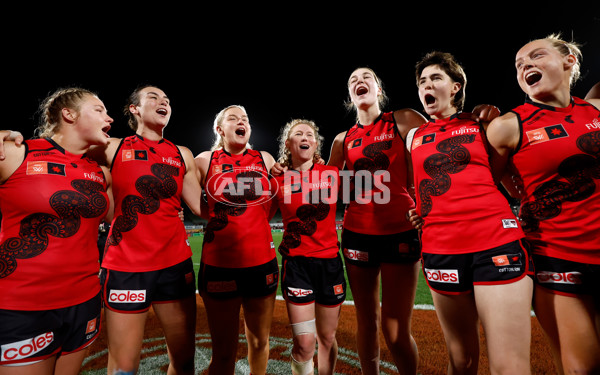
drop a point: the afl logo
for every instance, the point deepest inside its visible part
(241, 186)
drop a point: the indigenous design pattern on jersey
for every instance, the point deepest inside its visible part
(238, 192)
(558, 169)
(152, 189)
(574, 181)
(146, 233)
(463, 209)
(307, 201)
(65, 200)
(237, 188)
(452, 158)
(86, 200)
(379, 150)
(308, 215)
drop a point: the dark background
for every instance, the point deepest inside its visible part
(278, 63)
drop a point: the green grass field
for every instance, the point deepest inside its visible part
(423, 296)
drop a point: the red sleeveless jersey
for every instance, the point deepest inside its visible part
(238, 233)
(51, 208)
(146, 233)
(462, 208)
(307, 201)
(558, 166)
(379, 198)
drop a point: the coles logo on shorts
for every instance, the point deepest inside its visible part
(442, 276)
(127, 296)
(559, 277)
(362, 256)
(26, 348)
(297, 292)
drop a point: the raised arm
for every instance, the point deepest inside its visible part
(269, 160)
(192, 192)
(111, 201)
(503, 136)
(336, 155)
(9, 135)
(407, 119)
(594, 93)
(14, 155)
(202, 162)
(104, 155)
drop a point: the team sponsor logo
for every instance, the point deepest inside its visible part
(442, 276)
(338, 289)
(271, 278)
(423, 140)
(298, 292)
(171, 161)
(362, 256)
(509, 223)
(130, 154)
(222, 168)
(290, 189)
(127, 296)
(45, 167)
(383, 137)
(26, 348)
(547, 133)
(42, 153)
(465, 130)
(508, 262)
(550, 277)
(355, 143)
(91, 328)
(595, 124)
(94, 177)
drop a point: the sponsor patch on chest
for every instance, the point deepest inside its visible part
(545, 134)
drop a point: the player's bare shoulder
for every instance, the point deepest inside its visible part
(503, 131)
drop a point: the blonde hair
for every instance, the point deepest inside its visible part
(218, 142)
(285, 156)
(568, 48)
(51, 109)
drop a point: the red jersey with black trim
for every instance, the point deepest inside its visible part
(379, 198)
(51, 208)
(146, 233)
(307, 201)
(558, 168)
(462, 208)
(238, 234)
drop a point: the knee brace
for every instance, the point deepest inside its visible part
(302, 368)
(304, 328)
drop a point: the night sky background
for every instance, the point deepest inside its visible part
(278, 63)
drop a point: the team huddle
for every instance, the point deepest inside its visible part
(421, 193)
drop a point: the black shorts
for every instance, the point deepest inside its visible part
(372, 250)
(566, 277)
(134, 292)
(306, 280)
(27, 337)
(455, 274)
(225, 283)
